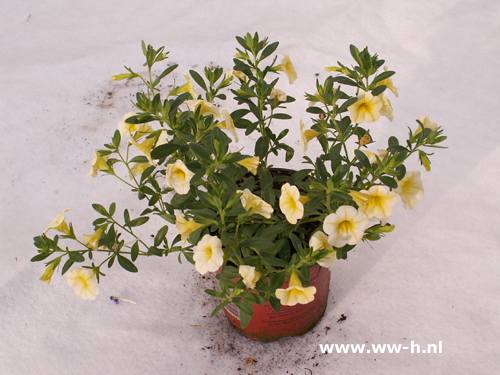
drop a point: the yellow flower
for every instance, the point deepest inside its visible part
(410, 189)
(319, 241)
(206, 108)
(346, 226)
(228, 124)
(145, 147)
(122, 76)
(84, 283)
(306, 135)
(185, 227)
(386, 109)
(366, 109)
(237, 74)
(388, 83)
(92, 241)
(49, 271)
(278, 95)
(290, 203)
(378, 203)
(98, 164)
(288, 68)
(138, 168)
(295, 293)
(428, 124)
(125, 128)
(250, 163)
(255, 203)
(187, 87)
(250, 276)
(59, 224)
(143, 129)
(178, 177)
(208, 256)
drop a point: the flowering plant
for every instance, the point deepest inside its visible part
(232, 210)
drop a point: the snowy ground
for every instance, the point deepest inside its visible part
(434, 279)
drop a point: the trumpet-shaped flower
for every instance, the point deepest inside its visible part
(125, 128)
(386, 109)
(290, 203)
(295, 293)
(98, 164)
(306, 135)
(49, 271)
(288, 68)
(319, 241)
(237, 73)
(250, 163)
(145, 147)
(410, 189)
(278, 95)
(427, 123)
(187, 87)
(228, 124)
(92, 241)
(143, 129)
(208, 256)
(250, 276)
(185, 227)
(178, 177)
(366, 109)
(346, 226)
(388, 83)
(206, 108)
(59, 224)
(138, 168)
(84, 283)
(378, 202)
(256, 204)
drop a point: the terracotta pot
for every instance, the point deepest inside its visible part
(268, 325)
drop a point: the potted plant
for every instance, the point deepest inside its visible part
(270, 234)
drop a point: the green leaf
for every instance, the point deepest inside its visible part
(345, 81)
(112, 208)
(198, 79)
(389, 181)
(262, 147)
(315, 110)
(259, 243)
(200, 151)
(39, 257)
(137, 222)
(160, 236)
(126, 264)
(382, 76)
(281, 116)
(164, 150)
(276, 281)
(75, 256)
(165, 73)
(100, 209)
(275, 304)
(134, 251)
(245, 319)
(218, 308)
(116, 139)
(269, 50)
(275, 262)
(362, 158)
(67, 266)
(378, 90)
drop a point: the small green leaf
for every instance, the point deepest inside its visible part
(360, 155)
(269, 50)
(134, 251)
(198, 79)
(389, 181)
(126, 264)
(137, 222)
(75, 256)
(67, 266)
(100, 209)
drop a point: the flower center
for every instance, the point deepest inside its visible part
(179, 174)
(345, 227)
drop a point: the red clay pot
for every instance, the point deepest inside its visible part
(268, 325)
